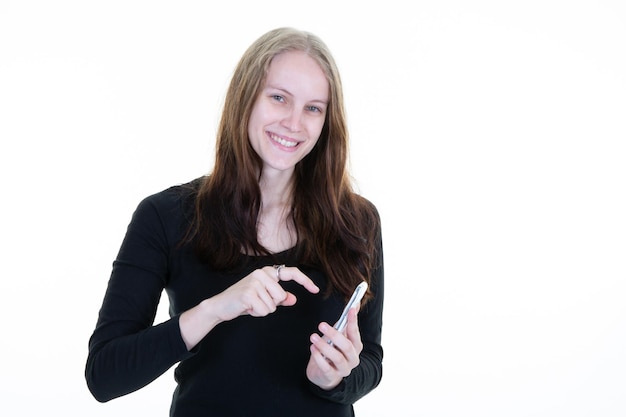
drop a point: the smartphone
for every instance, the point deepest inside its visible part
(357, 295)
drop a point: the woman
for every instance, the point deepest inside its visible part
(256, 258)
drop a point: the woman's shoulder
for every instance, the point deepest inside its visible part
(175, 193)
(175, 200)
(365, 206)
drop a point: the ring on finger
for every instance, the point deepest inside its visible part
(278, 268)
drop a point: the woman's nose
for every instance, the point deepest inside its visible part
(293, 121)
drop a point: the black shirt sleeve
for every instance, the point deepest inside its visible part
(126, 352)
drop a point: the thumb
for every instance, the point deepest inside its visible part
(289, 300)
(352, 329)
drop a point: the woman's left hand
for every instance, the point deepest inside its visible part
(331, 362)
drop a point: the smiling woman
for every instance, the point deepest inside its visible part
(288, 116)
(285, 124)
(243, 332)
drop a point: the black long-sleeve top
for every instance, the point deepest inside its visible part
(249, 366)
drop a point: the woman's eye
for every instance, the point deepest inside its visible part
(314, 109)
(278, 98)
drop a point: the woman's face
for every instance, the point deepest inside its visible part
(288, 115)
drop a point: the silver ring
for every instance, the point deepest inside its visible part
(278, 268)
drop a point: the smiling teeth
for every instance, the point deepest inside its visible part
(283, 142)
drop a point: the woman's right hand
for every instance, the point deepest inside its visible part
(258, 294)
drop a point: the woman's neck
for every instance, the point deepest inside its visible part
(276, 188)
(275, 230)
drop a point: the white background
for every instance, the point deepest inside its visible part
(489, 134)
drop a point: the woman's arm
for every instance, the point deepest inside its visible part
(126, 352)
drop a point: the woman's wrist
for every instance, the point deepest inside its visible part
(197, 322)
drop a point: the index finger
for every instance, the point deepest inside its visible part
(294, 274)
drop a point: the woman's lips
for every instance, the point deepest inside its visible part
(282, 141)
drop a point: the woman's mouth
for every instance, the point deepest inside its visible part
(282, 141)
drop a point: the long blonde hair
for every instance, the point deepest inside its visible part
(337, 230)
